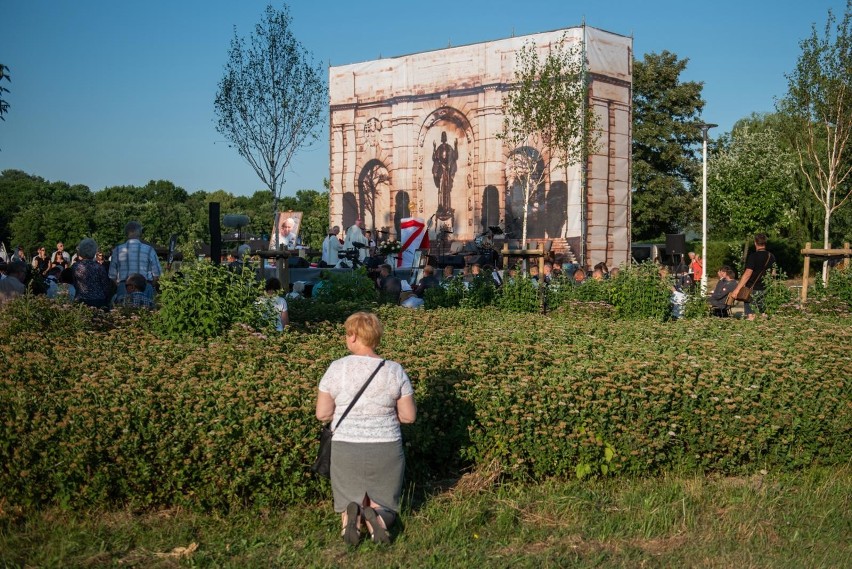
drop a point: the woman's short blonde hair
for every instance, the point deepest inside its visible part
(366, 327)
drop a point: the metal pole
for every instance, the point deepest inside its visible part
(704, 219)
(704, 128)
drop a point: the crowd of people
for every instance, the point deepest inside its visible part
(684, 282)
(126, 277)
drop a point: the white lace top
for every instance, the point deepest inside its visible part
(373, 419)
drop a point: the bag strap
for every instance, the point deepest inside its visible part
(360, 391)
(763, 270)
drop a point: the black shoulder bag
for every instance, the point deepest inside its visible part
(322, 465)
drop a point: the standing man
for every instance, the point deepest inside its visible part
(60, 250)
(757, 264)
(371, 243)
(331, 247)
(355, 234)
(133, 256)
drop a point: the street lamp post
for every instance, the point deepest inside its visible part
(704, 128)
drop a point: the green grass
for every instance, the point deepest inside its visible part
(761, 520)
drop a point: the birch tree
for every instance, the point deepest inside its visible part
(819, 102)
(271, 99)
(547, 108)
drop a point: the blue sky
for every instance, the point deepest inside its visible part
(120, 92)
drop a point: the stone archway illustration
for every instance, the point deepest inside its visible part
(445, 157)
(373, 186)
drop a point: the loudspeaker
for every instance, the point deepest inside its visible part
(675, 244)
(215, 233)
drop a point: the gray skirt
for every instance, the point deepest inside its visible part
(374, 469)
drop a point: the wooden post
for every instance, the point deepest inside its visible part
(805, 274)
(283, 266)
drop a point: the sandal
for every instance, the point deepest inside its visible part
(351, 535)
(379, 534)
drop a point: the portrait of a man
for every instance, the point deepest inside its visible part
(285, 230)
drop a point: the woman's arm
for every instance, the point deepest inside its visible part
(406, 409)
(325, 407)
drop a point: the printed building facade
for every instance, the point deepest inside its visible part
(417, 135)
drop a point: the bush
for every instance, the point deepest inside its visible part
(37, 314)
(481, 291)
(305, 310)
(205, 299)
(639, 292)
(697, 306)
(840, 285)
(448, 295)
(776, 292)
(563, 289)
(224, 423)
(519, 294)
(349, 286)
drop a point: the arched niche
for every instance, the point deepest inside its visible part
(402, 209)
(374, 183)
(555, 209)
(490, 208)
(516, 180)
(446, 131)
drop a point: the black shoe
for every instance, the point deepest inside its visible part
(351, 535)
(379, 535)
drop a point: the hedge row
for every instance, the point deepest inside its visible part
(112, 415)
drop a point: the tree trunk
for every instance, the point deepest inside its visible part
(826, 244)
(745, 251)
(527, 193)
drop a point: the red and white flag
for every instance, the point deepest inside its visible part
(414, 237)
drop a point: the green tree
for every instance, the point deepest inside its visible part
(17, 189)
(547, 108)
(819, 103)
(271, 99)
(45, 223)
(36, 212)
(666, 161)
(160, 206)
(749, 182)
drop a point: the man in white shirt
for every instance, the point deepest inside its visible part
(60, 248)
(284, 235)
(331, 247)
(355, 234)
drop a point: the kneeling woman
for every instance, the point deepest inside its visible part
(367, 461)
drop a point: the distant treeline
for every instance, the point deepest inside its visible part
(35, 211)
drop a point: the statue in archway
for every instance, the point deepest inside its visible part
(444, 159)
